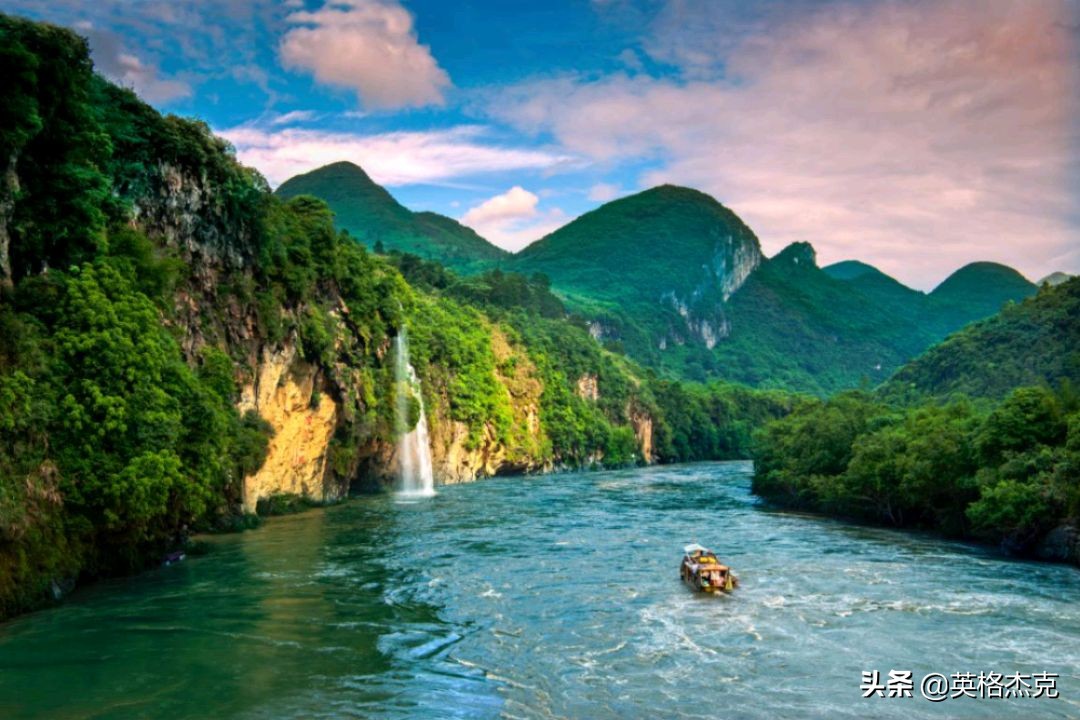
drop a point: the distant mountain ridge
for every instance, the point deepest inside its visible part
(1055, 278)
(979, 290)
(678, 281)
(1033, 342)
(371, 214)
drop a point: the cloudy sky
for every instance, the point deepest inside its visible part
(917, 136)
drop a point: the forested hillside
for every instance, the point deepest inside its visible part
(371, 214)
(979, 437)
(181, 347)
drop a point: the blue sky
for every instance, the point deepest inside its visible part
(917, 136)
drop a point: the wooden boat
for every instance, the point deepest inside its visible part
(704, 573)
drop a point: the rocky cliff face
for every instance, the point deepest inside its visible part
(293, 397)
(702, 310)
(312, 407)
(642, 423)
(9, 189)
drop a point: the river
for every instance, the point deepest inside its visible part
(550, 596)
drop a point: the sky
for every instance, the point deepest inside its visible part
(915, 136)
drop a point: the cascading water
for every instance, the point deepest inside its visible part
(415, 476)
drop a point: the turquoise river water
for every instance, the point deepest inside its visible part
(550, 596)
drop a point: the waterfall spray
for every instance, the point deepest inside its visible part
(415, 476)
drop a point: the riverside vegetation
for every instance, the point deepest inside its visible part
(980, 437)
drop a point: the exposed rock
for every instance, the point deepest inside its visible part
(189, 214)
(458, 457)
(297, 459)
(588, 387)
(9, 188)
(1061, 543)
(642, 423)
(459, 463)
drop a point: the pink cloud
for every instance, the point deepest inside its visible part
(369, 46)
(916, 136)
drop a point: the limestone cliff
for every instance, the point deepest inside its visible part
(292, 396)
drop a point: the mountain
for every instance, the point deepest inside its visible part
(371, 214)
(979, 290)
(669, 241)
(850, 270)
(649, 271)
(1033, 342)
(678, 281)
(884, 290)
(1054, 278)
(921, 453)
(795, 325)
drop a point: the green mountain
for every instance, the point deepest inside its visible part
(651, 272)
(851, 269)
(371, 214)
(979, 290)
(678, 281)
(667, 242)
(1033, 342)
(874, 284)
(794, 324)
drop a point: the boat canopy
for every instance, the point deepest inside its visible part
(692, 548)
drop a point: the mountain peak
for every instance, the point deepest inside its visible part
(797, 253)
(981, 288)
(657, 267)
(850, 270)
(1054, 278)
(371, 214)
(982, 272)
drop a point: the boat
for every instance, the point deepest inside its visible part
(702, 571)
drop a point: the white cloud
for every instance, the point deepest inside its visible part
(293, 117)
(916, 136)
(396, 158)
(514, 204)
(369, 46)
(603, 192)
(512, 220)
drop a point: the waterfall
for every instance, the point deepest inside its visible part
(415, 477)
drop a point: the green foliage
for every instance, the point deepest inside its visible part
(1008, 475)
(647, 271)
(371, 215)
(136, 444)
(977, 291)
(1028, 343)
(57, 145)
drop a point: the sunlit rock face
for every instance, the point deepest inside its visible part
(285, 393)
